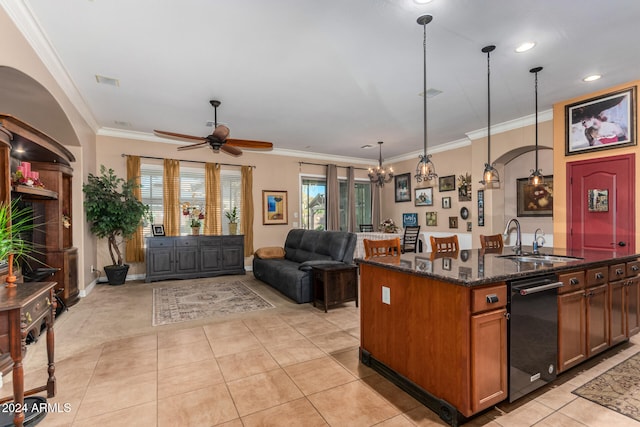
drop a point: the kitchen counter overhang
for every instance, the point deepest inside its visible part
(475, 267)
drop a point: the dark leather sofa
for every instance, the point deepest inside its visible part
(292, 275)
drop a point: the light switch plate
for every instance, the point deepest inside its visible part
(386, 295)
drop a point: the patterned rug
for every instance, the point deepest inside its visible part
(198, 301)
(617, 389)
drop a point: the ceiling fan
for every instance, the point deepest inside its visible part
(218, 140)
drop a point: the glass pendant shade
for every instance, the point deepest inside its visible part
(536, 177)
(425, 170)
(490, 176)
(380, 176)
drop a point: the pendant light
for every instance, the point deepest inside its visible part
(490, 175)
(379, 176)
(536, 177)
(425, 170)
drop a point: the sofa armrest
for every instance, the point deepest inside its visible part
(308, 265)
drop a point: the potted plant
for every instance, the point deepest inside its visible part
(195, 214)
(232, 216)
(14, 222)
(114, 213)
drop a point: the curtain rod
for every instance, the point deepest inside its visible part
(191, 161)
(320, 164)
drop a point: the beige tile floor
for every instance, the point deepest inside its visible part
(291, 365)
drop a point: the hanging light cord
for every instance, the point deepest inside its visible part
(424, 101)
(536, 87)
(488, 107)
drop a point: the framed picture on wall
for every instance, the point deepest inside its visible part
(402, 185)
(446, 203)
(409, 220)
(447, 183)
(480, 208)
(424, 196)
(535, 200)
(600, 123)
(274, 207)
(432, 219)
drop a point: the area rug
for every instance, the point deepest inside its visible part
(617, 389)
(203, 300)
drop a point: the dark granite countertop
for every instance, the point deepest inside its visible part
(475, 267)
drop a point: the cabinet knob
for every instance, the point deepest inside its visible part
(599, 276)
(27, 316)
(635, 268)
(574, 281)
(492, 299)
(619, 272)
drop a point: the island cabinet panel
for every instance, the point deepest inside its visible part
(187, 257)
(424, 333)
(583, 316)
(623, 301)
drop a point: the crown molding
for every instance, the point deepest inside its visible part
(26, 23)
(521, 122)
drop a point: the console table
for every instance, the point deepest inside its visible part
(189, 257)
(20, 308)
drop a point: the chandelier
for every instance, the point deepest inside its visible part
(425, 170)
(379, 176)
(536, 177)
(490, 175)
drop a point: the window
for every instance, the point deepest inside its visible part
(314, 206)
(192, 190)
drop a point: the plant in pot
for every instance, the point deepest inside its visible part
(15, 222)
(232, 216)
(114, 213)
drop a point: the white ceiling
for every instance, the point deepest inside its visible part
(327, 76)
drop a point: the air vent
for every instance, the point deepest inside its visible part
(107, 80)
(431, 93)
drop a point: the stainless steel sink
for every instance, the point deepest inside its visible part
(541, 258)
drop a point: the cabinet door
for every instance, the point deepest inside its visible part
(617, 312)
(187, 259)
(597, 319)
(160, 261)
(210, 257)
(633, 306)
(233, 258)
(488, 359)
(572, 329)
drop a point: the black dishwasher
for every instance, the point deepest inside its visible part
(533, 333)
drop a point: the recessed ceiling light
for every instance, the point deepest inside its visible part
(525, 47)
(366, 146)
(422, 1)
(107, 80)
(591, 78)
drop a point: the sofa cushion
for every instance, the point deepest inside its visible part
(270, 252)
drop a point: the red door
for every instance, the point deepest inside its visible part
(600, 205)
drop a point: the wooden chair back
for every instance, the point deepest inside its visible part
(410, 239)
(493, 241)
(377, 248)
(444, 245)
(366, 227)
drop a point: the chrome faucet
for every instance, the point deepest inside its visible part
(518, 247)
(536, 240)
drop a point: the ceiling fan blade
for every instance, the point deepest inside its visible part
(231, 150)
(180, 136)
(252, 145)
(221, 132)
(189, 147)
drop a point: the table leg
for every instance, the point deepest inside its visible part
(18, 370)
(325, 289)
(51, 382)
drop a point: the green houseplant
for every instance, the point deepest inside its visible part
(232, 216)
(15, 221)
(114, 213)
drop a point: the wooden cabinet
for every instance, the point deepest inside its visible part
(488, 347)
(448, 340)
(51, 204)
(583, 316)
(624, 301)
(194, 256)
(335, 284)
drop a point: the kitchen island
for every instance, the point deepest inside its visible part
(438, 326)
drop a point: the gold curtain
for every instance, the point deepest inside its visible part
(246, 209)
(171, 187)
(213, 214)
(134, 249)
